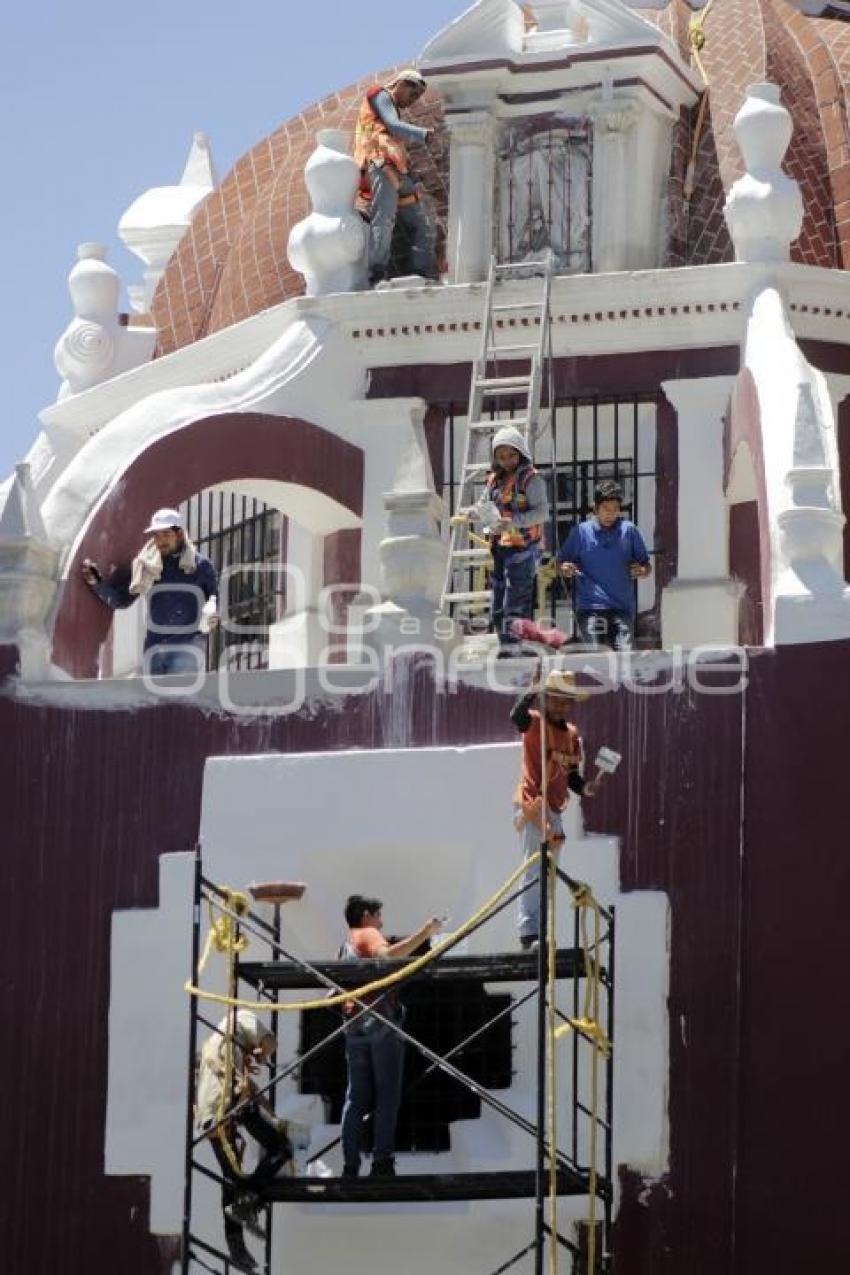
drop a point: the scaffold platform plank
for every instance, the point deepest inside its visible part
(511, 1184)
(498, 967)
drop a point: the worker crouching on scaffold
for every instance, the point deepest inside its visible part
(514, 508)
(250, 1046)
(545, 730)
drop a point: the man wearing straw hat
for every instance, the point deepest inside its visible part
(546, 732)
(387, 189)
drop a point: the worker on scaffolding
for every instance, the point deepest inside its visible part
(513, 510)
(182, 589)
(374, 1051)
(540, 715)
(388, 191)
(228, 1100)
(605, 555)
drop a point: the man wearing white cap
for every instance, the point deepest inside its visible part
(387, 188)
(514, 509)
(182, 588)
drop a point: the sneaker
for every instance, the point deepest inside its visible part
(383, 1168)
(529, 942)
(244, 1213)
(239, 1255)
(351, 1170)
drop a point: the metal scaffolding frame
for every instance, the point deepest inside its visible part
(286, 970)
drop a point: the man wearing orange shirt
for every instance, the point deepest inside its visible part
(564, 759)
(373, 1051)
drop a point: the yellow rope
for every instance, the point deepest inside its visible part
(696, 39)
(551, 1066)
(222, 932)
(379, 984)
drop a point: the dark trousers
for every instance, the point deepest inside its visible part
(613, 629)
(375, 1057)
(513, 583)
(276, 1150)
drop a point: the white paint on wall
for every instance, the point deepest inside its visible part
(429, 830)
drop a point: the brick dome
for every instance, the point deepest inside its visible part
(232, 261)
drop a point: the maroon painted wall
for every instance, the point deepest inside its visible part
(745, 565)
(92, 798)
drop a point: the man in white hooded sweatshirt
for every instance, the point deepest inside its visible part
(515, 496)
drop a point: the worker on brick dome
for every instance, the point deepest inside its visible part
(540, 715)
(181, 587)
(388, 191)
(513, 509)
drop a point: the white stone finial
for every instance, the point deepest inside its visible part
(329, 246)
(764, 208)
(200, 168)
(28, 568)
(154, 224)
(95, 346)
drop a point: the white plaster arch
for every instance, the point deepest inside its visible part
(292, 378)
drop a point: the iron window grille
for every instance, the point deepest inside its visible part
(245, 540)
(544, 177)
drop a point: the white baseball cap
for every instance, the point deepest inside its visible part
(164, 520)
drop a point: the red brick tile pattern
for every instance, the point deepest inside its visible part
(231, 263)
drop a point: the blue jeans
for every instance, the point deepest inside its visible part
(383, 213)
(528, 903)
(614, 629)
(375, 1056)
(175, 657)
(513, 582)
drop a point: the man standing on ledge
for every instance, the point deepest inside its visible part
(386, 185)
(182, 586)
(373, 1050)
(605, 555)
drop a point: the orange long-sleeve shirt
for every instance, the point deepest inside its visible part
(564, 757)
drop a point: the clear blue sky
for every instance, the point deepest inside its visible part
(98, 102)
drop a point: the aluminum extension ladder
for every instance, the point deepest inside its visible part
(467, 556)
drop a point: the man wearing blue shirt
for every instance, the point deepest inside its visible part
(182, 586)
(604, 555)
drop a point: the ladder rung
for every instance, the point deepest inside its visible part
(483, 595)
(517, 422)
(506, 266)
(502, 384)
(496, 350)
(470, 555)
(514, 307)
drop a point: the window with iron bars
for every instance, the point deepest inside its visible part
(245, 540)
(544, 174)
(591, 437)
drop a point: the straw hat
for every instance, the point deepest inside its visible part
(563, 682)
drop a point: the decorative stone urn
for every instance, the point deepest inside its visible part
(764, 208)
(329, 246)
